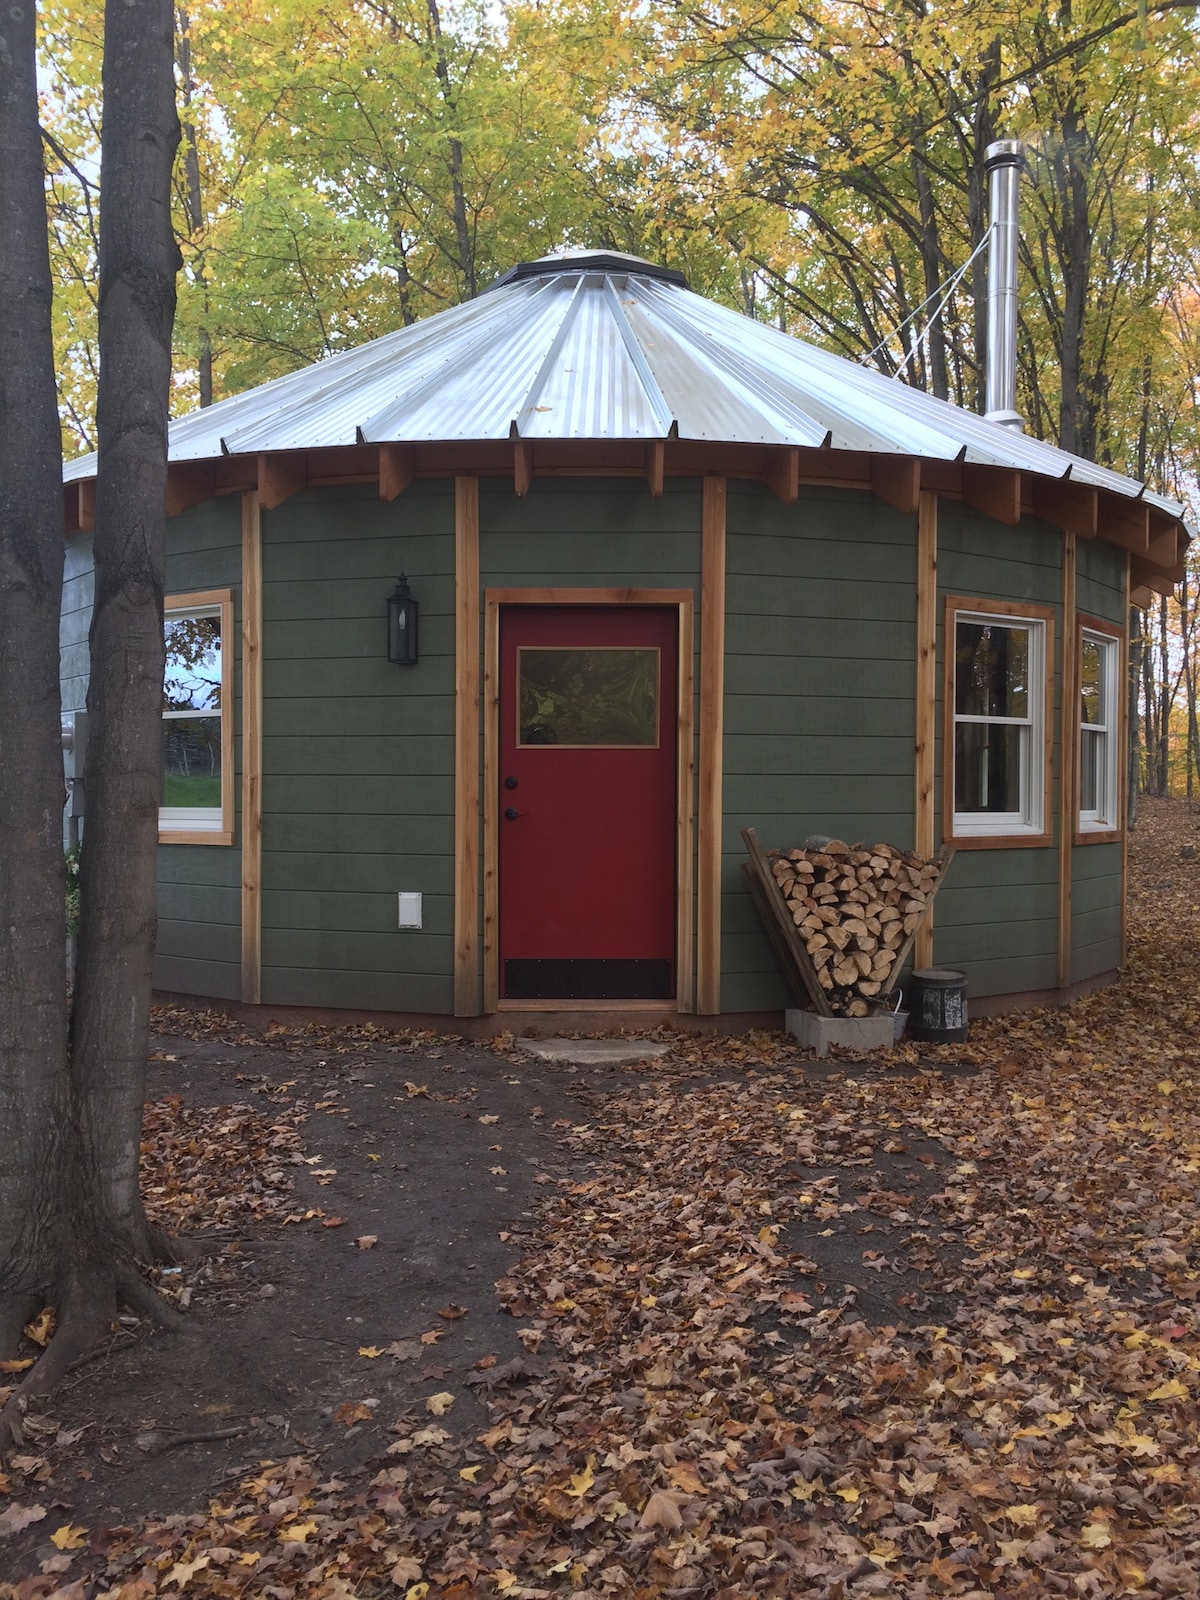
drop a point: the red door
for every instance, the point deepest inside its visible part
(588, 719)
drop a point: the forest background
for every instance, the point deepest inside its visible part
(350, 166)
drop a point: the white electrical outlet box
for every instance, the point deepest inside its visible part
(409, 909)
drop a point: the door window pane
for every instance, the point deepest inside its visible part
(987, 767)
(587, 697)
(992, 670)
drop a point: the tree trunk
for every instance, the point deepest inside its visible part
(1133, 669)
(33, 1012)
(462, 231)
(138, 263)
(1165, 698)
(81, 1238)
(194, 204)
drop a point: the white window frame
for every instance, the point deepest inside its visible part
(205, 824)
(1105, 817)
(1030, 823)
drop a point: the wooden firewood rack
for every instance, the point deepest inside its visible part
(798, 970)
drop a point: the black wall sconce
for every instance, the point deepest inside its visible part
(402, 625)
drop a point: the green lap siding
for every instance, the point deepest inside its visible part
(358, 754)
(1095, 910)
(1100, 581)
(819, 683)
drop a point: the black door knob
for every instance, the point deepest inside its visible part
(510, 783)
(511, 813)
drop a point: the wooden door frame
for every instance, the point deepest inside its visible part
(683, 602)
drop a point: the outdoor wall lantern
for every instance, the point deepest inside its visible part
(402, 625)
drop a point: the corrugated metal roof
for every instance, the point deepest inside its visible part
(603, 346)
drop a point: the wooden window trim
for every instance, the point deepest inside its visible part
(1023, 613)
(1115, 632)
(684, 602)
(193, 600)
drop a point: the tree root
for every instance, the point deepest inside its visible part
(14, 1314)
(85, 1313)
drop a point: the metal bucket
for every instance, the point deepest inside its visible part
(937, 1005)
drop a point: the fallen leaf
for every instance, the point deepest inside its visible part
(352, 1412)
(16, 1366)
(69, 1538)
(41, 1329)
(581, 1482)
(406, 1570)
(367, 1241)
(371, 1351)
(17, 1517)
(432, 1336)
(662, 1511)
(334, 1222)
(183, 1572)
(452, 1312)
(297, 1532)
(487, 1121)
(439, 1404)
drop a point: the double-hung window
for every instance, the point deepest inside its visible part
(1099, 702)
(197, 726)
(997, 720)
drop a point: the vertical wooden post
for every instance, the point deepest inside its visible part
(712, 721)
(466, 747)
(251, 748)
(926, 702)
(1068, 765)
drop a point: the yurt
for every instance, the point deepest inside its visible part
(488, 638)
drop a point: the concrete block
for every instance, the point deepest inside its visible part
(856, 1033)
(595, 1052)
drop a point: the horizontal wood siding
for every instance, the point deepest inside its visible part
(199, 886)
(1095, 910)
(819, 673)
(996, 915)
(79, 590)
(1100, 581)
(358, 754)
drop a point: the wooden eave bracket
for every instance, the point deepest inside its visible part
(656, 466)
(1168, 542)
(189, 483)
(1143, 576)
(781, 473)
(1125, 523)
(79, 506)
(397, 468)
(522, 466)
(897, 480)
(281, 475)
(1074, 507)
(994, 491)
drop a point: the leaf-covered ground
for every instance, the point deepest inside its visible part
(785, 1329)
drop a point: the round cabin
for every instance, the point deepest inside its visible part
(487, 639)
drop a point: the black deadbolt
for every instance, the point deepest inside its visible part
(510, 783)
(511, 813)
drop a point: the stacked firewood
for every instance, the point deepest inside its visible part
(857, 909)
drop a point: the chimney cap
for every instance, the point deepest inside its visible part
(1004, 153)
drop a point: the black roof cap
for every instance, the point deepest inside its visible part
(590, 261)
